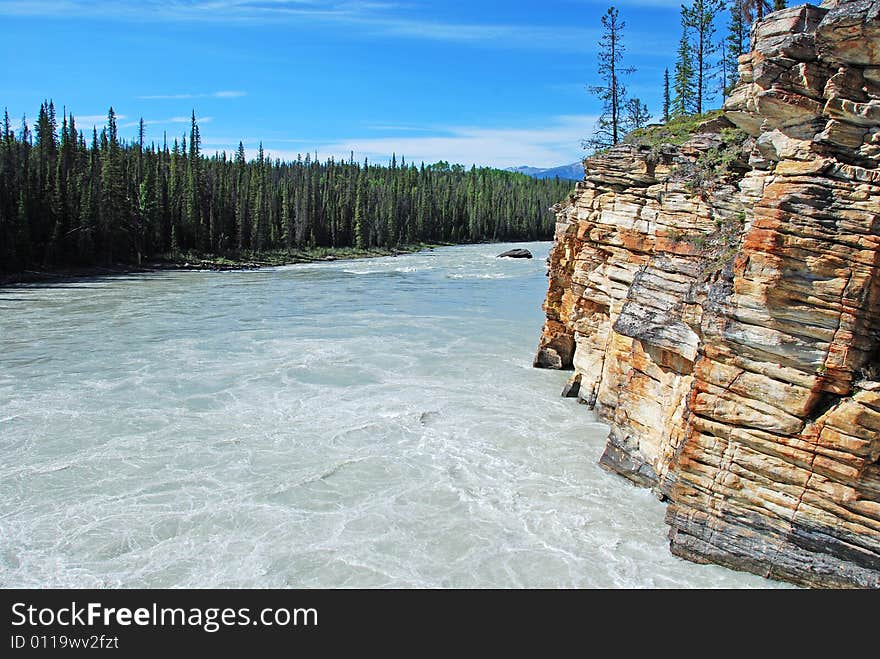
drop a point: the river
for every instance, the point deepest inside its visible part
(371, 423)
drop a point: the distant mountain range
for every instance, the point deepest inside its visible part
(574, 171)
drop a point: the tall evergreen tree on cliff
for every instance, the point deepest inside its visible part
(612, 92)
(683, 101)
(736, 43)
(667, 104)
(779, 4)
(700, 17)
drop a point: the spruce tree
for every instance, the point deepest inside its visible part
(735, 44)
(195, 230)
(140, 148)
(41, 209)
(7, 248)
(287, 230)
(258, 232)
(113, 208)
(683, 84)
(667, 104)
(241, 194)
(88, 207)
(146, 209)
(612, 92)
(700, 17)
(362, 239)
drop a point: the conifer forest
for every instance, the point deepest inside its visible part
(68, 198)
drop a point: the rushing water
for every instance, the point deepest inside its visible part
(364, 423)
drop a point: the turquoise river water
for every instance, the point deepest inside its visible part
(371, 423)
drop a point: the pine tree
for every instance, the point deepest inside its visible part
(683, 102)
(259, 204)
(666, 99)
(196, 234)
(140, 148)
(88, 207)
(146, 208)
(55, 252)
(779, 4)
(112, 210)
(41, 209)
(241, 206)
(362, 239)
(735, 44)
(700, 17)
(7, 167)
(611, 92)
(287, 230)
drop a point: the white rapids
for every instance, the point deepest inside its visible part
(371, 423)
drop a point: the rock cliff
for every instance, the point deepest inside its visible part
(719, 302)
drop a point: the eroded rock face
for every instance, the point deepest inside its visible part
(729, 330)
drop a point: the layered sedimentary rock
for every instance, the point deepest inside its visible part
(719, 303)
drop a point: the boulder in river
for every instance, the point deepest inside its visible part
(515, 254)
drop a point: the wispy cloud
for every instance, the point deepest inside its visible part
(368, 18)
(556, 142)
(170, 120)
(373, 19)
(671, 4)
(94, 120)
(401, 128)
(220, 94)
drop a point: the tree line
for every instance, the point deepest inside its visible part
(72, 199)
(705, 65)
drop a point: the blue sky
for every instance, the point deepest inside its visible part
(480, 81)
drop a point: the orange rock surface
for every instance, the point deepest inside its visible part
(729, 332)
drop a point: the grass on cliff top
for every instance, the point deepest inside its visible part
(677, 131)
(712, 166)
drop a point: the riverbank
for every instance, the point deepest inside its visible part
(191, 261)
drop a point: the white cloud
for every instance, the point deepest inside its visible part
(170, 120)
(96, 120)
(401, 128)
(181, 120)
(379, 19)
(375, 18)
(557, 142)
(165, 97)
(670, 4)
